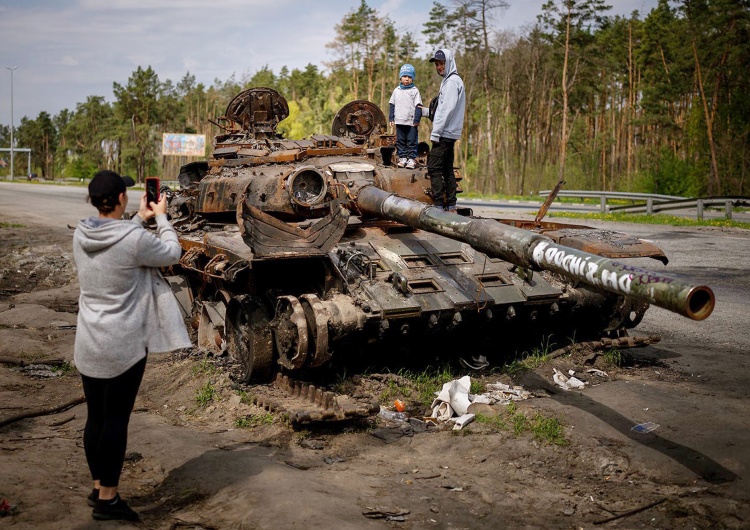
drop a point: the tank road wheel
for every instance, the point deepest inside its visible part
(249, 337)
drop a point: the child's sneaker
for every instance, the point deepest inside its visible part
(401, 162)
(410, 164)
(114, 510)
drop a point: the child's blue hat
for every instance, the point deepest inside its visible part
(407, 69)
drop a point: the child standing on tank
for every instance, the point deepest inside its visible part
(405, 113)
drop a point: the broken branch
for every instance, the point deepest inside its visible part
(42, 412)
(631, 512)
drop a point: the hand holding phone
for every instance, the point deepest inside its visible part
(152, 190)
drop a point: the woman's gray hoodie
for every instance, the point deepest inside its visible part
(125, 307)
(449, 116)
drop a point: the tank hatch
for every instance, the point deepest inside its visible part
(257, 111)
(359, 120)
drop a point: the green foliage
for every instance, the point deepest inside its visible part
(204, 366)
(548, 430)
(496, 423)
(254, 420)
(653, 99)
(246, 397)
(65, 368)
(614, 357)
(542, 428)
(671, 175)
(529, 360)
(659, 219)
(419, 387)
(3, 224)
(205, 394)
(79, 168)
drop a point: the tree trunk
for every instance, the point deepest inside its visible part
(564, 125)
(713, 182)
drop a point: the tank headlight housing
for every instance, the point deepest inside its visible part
(307, 186)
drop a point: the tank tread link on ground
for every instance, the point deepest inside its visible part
(296, 251)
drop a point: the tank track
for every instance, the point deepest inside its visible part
(305, 403)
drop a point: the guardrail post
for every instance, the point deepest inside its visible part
(699, 206)
(728, 205)
(603, 202)
(650, 206)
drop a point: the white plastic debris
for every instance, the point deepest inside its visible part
(456, 393)
(442, 411)
(462, 420)
(454, 399)
(600, 373)
(565, 382)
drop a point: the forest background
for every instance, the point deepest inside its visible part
(656, 102)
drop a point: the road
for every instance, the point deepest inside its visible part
(44, 203)
(703, 416)
(70, 203)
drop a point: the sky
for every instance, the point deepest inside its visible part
(67, 50)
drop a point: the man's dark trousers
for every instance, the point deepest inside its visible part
(440, 169)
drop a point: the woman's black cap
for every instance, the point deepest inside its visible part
(107, 183)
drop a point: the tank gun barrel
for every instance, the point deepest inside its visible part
(535, 251)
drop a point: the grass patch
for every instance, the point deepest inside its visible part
(204, 366)
(64, 368)
(542, 428)
(205, 394)
(420, 387)
(10, 225)
(254, 420)
(548, 430)
(246, 397)
(614, 357)
(659, 219)
(529, 360)
(496, 423)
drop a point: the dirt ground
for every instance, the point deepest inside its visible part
(190, 466)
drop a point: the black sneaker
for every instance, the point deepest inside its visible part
(114, 510)
(93, 497)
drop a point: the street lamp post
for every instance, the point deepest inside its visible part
(12, 69)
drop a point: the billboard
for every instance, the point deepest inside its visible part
(183, 144)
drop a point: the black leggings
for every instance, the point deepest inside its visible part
(110, 402)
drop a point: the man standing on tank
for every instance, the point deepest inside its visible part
(447, 125)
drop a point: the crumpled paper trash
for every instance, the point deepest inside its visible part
(500, 393)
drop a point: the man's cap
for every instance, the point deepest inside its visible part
(438, 56)
(409, 70)
(109, 184)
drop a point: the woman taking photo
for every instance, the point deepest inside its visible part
(126, 310)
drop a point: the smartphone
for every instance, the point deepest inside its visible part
(152, 190)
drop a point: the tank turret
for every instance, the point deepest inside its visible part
(299, 250)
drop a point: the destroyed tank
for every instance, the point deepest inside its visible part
(297, 252)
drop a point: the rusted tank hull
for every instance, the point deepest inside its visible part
(301, 251)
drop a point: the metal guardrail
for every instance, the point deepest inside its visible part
(727, 202)
(650, 198)
(657, 203)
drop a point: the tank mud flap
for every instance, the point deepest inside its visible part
(304, 403)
